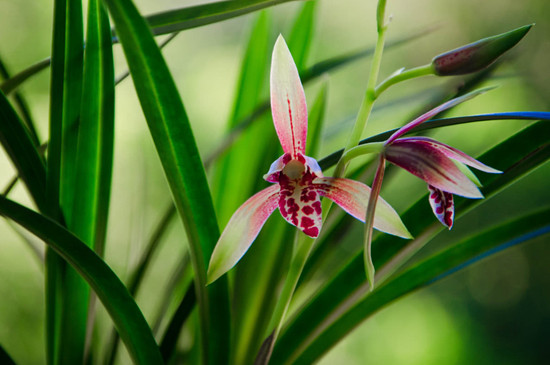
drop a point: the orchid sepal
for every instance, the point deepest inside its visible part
(241, 230)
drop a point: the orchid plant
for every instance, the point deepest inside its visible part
(299, 181)
(309, 279)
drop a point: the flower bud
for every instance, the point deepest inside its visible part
(478, 55)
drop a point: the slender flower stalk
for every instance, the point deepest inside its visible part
(298, 182)
(433, 162)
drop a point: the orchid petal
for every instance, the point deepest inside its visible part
(276, 167)
(288, 101)
(241, 231)
(428, 115)
(301, 207)
(313, 166)
(353, 197)
(431, 165)
(442, 205)
(455, 154)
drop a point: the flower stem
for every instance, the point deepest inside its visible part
(369, 220)
(370, 94)
(302, 248)
(403, 76)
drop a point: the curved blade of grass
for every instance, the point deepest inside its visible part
(21, 105)
(122, 308)
(516, 156)
(196, 16)
(333, 158)
(23, 153)
(444, 263)
(175, 144)
(9, 85)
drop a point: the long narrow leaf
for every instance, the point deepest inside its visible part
(122, 308)
(196, 16)
(66, 330)
(22, 151)
(450, 260)
(21, 105)
(508, 156)
(333, 158)
(173, 138)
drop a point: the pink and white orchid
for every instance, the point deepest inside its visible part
(432, 161)
(298, 180)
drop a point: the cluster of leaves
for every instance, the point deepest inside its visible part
(70, 190)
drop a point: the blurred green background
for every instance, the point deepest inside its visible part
(497, 311)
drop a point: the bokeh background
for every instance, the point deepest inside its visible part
(494, 312)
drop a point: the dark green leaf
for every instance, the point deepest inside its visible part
(23, 152)
(122, 308)
(175, 144)
(516, 156)
(425, 273)
(196, 16)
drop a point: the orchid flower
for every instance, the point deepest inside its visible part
(432, 161)
(298, 182)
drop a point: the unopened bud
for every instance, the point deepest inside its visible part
(478, 55)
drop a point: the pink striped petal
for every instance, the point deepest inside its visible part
(301, 207)
(427, 116)
(353, 197)
(288, 101)
(455, 154)
(432, 166)
(442, 206)
(241, 231)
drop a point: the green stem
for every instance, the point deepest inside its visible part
(370, 94)
(362, 149)
(403, 76)
(302, 249)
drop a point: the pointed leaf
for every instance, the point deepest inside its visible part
(428, 115)
(424, 273)
(242, 229)
(288, 101)
(120, 305)
(175, 144)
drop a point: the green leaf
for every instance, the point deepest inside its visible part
(509, 156)
(66, 330)
(9, 85)
(316, 120)
(122, 308)
(94, 158)
(333, 158)
(247, 95)
(196, 16)
(425, 273)
(299, 41)
(21, 105)
(175, 144)
(23, 153)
